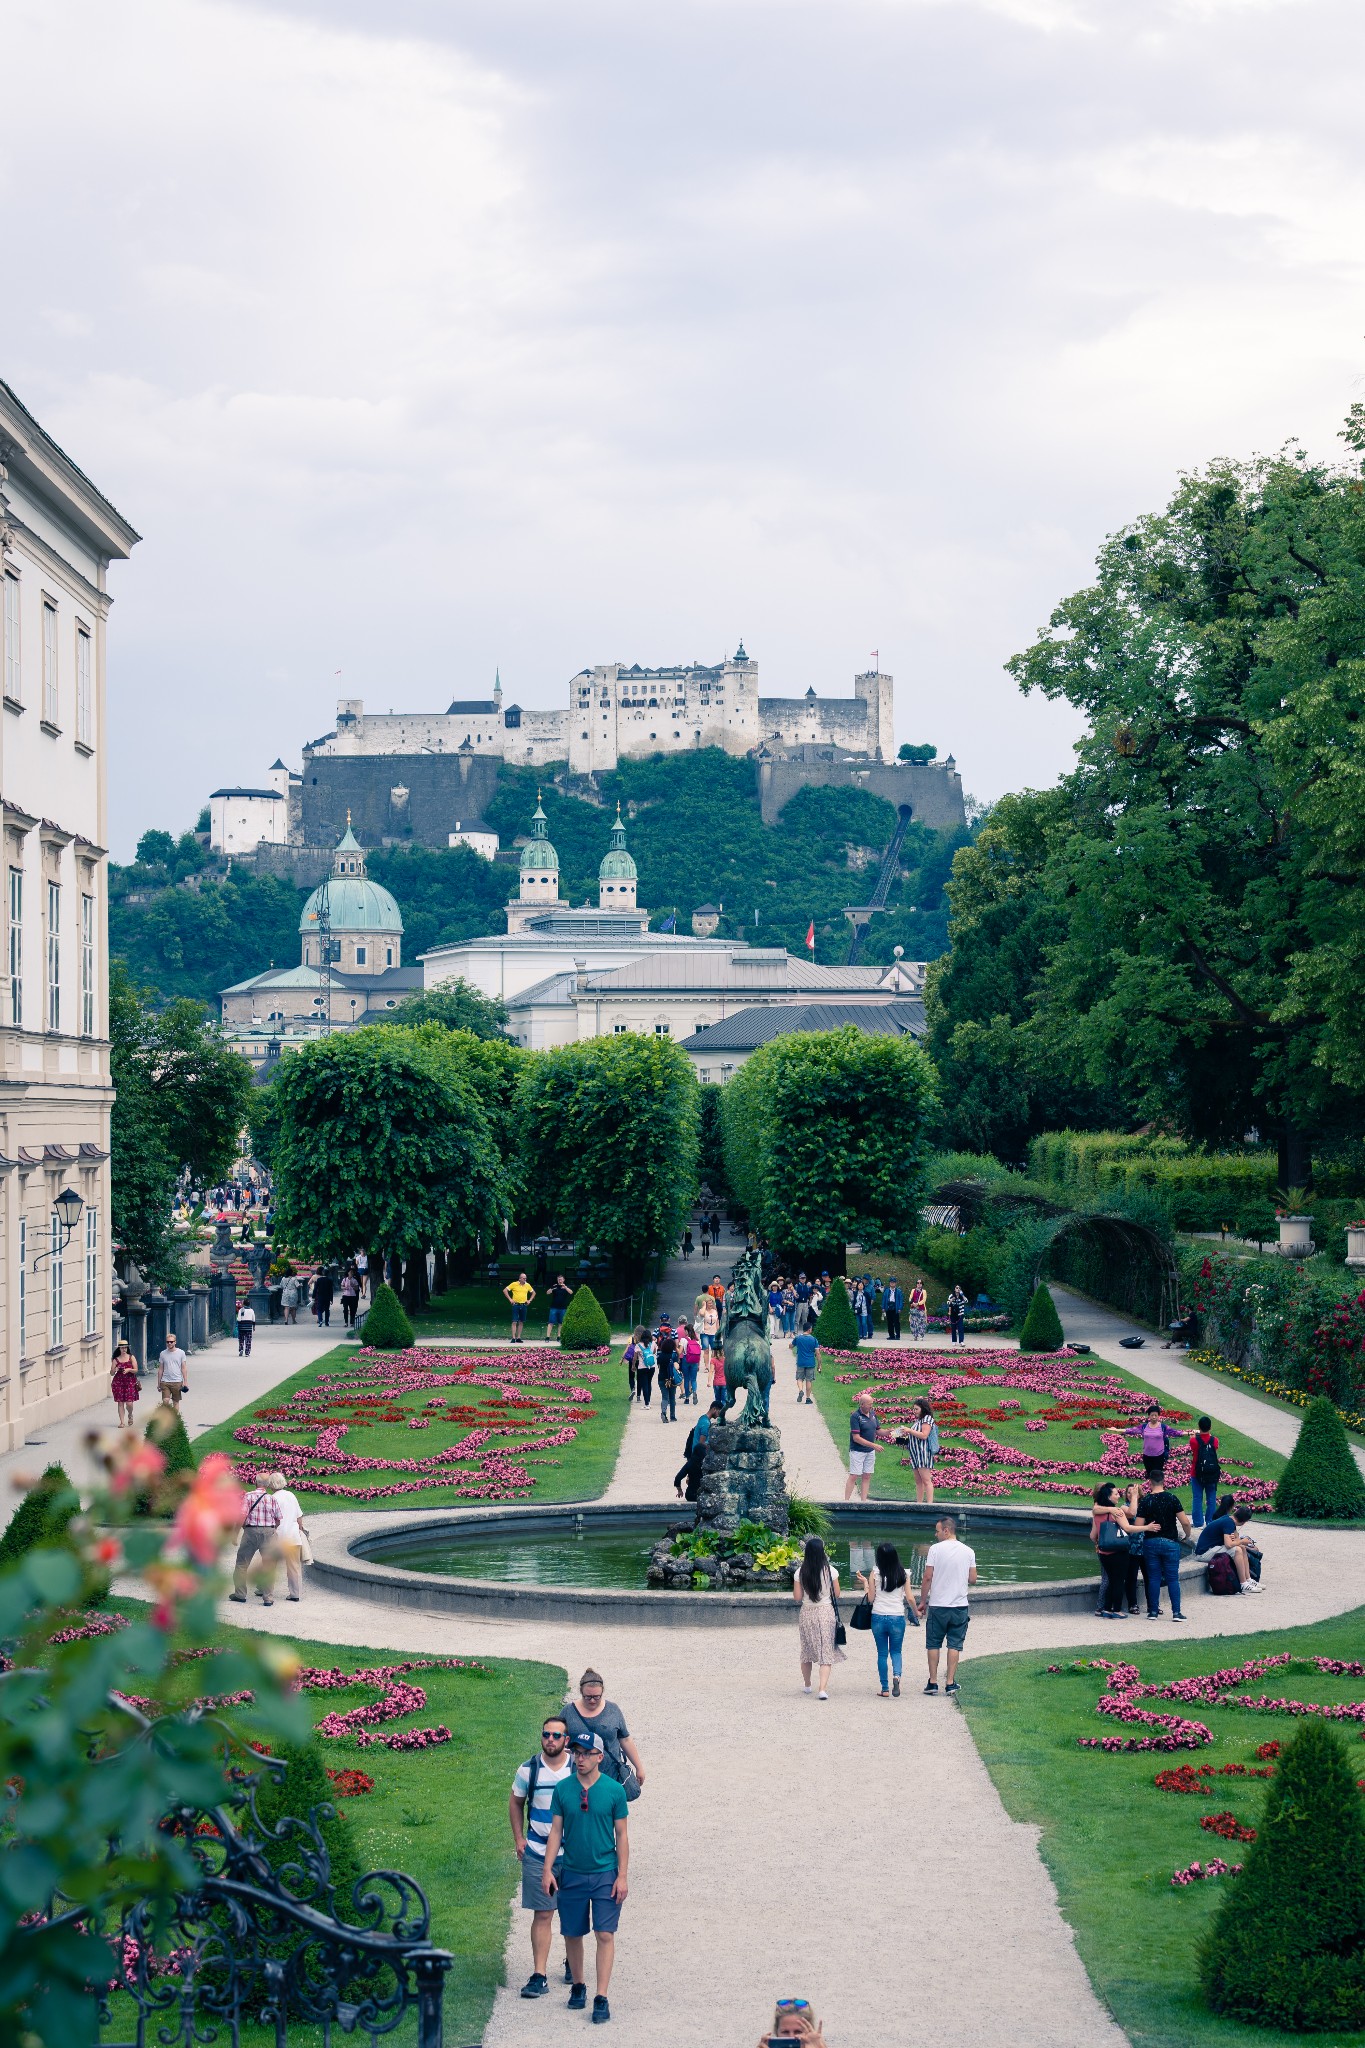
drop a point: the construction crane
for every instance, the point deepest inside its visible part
(862, 915)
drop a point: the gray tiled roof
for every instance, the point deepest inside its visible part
(765, 1021)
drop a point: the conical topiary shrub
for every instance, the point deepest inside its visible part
(585, 1326)
(386, 1326)
(41, 1515)
(1042, 1329)
(836, 1326)
(166, 1428)
(1321, 1482)
(1287, 1946)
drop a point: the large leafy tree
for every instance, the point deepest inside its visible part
(459, 1006)
(381, 1142)
(828, 1137)
(1193, 864)
(609, 1131)
(181, 1100)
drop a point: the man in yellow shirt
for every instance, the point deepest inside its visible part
(520, 1293)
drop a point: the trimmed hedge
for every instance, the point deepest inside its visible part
(1322, 1481)
(1200, 1190)
(836, 1326)
(585, 1326)
(1287, 1946)
(1042, 1329)
(386, 1326)
(41, 1516)
(166, 1429)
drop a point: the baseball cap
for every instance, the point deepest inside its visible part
(583, 1738)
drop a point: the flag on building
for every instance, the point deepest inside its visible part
(810, 935)
(670, 923)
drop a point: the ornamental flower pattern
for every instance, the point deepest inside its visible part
(1124, 1688)
(535, 1396)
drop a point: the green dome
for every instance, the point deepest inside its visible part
(354, 904)
(538, 854)
(617, 864)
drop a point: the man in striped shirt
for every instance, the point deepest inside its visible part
(529, 1810)
(260, 1521)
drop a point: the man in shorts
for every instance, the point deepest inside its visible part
(561, 1294)
(588, 1820)
(805, 1348)
(521, 1294)
(862, 1446)
(528, 1809)
(949, 1569)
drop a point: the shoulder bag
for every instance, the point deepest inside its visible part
(1111, 1536)
(861, 1616)
(840, 1632)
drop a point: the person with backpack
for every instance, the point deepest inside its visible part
(687, 1478)
(1205, 1470)
(528, 1809)
(1155, 1440)
(632, 1358)
(1235, 1561)
(666, 1353)
(1118, 1541)
(691, 1363)
(644, 1370)
(594, 1712)
(922, 1444)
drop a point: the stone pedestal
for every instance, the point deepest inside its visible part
(743, 1479)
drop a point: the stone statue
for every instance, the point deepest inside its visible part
(748, 1354)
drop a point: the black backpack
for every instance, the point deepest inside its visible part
(1206, 1466)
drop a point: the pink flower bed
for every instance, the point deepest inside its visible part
(396, 1698)
(1194, 1872)
(973, 1464)
(537, 1402)
(1124, 1688)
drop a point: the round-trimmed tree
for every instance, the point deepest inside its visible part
(1321, 1482)
(585, 1326)
(386, 1327)
(836, 1326)
(1287, 1945)
(1042, 1329)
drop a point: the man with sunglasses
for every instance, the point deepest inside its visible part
(589, 1820)
(529, 1810)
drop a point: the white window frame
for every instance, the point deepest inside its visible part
(54, 956)
(15, 910)
(92, 1270)
(664, 1030)
(14, 646)
(87, 965)
(51, 695)
(85, 703)
(23, 1285)
(56, 1289)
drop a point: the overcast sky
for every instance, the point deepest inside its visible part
(419, 338)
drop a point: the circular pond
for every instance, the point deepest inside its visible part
(588, 1555)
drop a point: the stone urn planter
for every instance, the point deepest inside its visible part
(1296, 1235)
(1355, 1244)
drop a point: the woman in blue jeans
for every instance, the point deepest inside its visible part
(888, 1588)
(1166, 1522)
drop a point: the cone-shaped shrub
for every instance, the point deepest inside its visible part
(585, 1326)
(836, 1326)
(167, 1431)
(41, 1515)
(1321, 1482)
(1287, 1947)
(1042, 1329)
(386, 1326)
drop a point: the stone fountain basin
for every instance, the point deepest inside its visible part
(354, 1563)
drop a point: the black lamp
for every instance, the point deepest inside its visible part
(66, 1208)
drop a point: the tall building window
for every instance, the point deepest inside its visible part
(92, 1270)
(14, 674)
(23, 1285)
(56, 1303)
(49, 662)
(54, 956)
(85, 709)
(88, 966)
(16, 945)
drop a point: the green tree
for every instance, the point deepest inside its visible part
(1321, 1482)
(446, 893)
(1286, 1948)
(828, 1137)
(41, 1516)
(609, 1141)
(836, 1326)
(1042, 1329)
(181, 1102)
(458, 1006)
(585, 1326)
(383, 1144)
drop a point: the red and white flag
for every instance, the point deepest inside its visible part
(810, 935)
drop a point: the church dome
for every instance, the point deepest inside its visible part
(617, 864)
(354, 902)
(538, 854)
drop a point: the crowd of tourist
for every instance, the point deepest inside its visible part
(1141, 1532)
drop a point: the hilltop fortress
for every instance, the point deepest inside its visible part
(423, 778)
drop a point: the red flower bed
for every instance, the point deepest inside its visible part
(350, 1784)
(1227, 1827)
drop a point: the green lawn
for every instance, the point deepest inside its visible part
(293, 1412)
(479, 1310)
(892, 1376)
(1111, 1840)
(441, 1814)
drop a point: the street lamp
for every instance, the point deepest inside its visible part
(67, 1210)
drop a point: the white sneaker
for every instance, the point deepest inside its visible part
(806, 1690)
(1252, 1587)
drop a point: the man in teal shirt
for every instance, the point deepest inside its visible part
(588, 1818)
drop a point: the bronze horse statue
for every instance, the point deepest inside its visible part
(748, 1354)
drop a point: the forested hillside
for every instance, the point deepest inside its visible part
(186, 928)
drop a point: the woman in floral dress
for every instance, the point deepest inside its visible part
(124, 1386)
(815, 1588)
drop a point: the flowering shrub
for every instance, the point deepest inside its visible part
(972, 1463)
(532, 1395)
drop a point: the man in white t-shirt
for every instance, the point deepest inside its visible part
(530, 1810)
(171, 1378)
(290, 1533)
(949, 1569)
